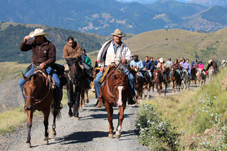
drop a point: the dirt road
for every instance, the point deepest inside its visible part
(90, 132)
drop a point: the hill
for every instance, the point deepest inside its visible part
(210, 2)
(176, 43)
(11, 36)
(178, 8)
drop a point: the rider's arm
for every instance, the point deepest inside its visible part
(24, 45)
(140, 65)
(65, 52)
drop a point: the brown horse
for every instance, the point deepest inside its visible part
(193, 74)
(158, 79)
(175, 78)
(38, 95)
(201, 77)
(115, 91)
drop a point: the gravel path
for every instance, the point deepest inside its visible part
(90, 132)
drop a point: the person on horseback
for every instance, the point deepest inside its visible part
(115, 51)
(137, 63)
(148, 66)
(177, 66)
(201, 67)
(195, 63)
(162, 66)
(214, 64)
(186, 65)
(152, 61)
(85, 58)
(156, 62)
(169, 63)
(44, 56)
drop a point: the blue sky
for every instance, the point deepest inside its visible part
(148, 1)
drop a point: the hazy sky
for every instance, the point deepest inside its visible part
(148, 1)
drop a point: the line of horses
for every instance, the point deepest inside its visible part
(168, 75)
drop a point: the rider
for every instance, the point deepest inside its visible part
(156, 62)
(148, 66)
(201, 67)
(214, 64)
(113, 50)
(195, 63)
(72, 49)
(186, 65)
(169, 63)
(162, 65)
(177, 66)
(85, 58)
(44, 55)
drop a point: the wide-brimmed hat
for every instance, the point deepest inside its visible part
(38, 32)
(117, 33)
(161, 60)
(209, 61)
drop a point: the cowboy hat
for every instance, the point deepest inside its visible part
(37, 32)
(161, 60)
(117, 33)
(209, 61)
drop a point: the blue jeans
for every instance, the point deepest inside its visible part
(50, 72)
(189, 72)
(127, 72)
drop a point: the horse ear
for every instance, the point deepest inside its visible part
(25, 78)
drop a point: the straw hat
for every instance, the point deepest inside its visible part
(223, 61)
(209, 61)
(161, 60)
(37, 32)
(117, 33)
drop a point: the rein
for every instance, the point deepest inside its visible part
(37, 101)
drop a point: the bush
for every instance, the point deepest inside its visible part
(154, 132)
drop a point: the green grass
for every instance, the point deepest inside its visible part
(183, 110)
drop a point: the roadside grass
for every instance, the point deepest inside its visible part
(184, 110)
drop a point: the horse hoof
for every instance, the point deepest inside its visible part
(45, 141)
(29, 145)
(53, 133)
(76, 118)
(110, 136)
(117, 136)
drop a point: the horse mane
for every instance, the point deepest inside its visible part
(72, 61)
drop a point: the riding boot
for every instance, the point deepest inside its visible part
(131, 101)
(58, 105)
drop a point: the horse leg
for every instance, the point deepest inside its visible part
(165, 88)
(29, 125)
(55, 114)
(120, 120)
(109, 109)
(45, 122)
(87, 100)
(76, 105)
(70, 98)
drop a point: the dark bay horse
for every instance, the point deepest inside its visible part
(38, 95)
(115, 92)
(158, 80)
(175, 78)
(74, 86)
(139, 86)
(193, 73)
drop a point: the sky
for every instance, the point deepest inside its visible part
(148, 1)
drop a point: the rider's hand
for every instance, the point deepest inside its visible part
(42, 65)
(26, 38)
(102, 69)
(144, 68)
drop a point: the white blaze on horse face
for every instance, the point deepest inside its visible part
(119, 102)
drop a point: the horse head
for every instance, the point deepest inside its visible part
(75, 71)
(157, 75)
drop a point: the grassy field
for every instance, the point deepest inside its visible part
(184, 110)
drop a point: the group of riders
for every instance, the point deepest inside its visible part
(113, 52)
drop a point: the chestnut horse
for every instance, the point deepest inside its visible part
(38, 95)
(201, 77)
(175, 78)
(158, 79)
(115, 91)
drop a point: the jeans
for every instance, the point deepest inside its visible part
(50, 72)
(189, 72)
(127, 72)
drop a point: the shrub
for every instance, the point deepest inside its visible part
(154, 132)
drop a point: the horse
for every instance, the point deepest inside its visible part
(185, 79)
(84, 92)
(115, 91)
(211, 73)
(158, 79)
(74, 86)
(201, 77)
(175, 78)
(146, 85)
(193, 73)
(39, 96)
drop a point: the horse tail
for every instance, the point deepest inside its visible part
(56, 113)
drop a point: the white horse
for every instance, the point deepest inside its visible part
(185, 79)
(211, 73)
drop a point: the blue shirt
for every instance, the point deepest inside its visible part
(148, 65)
(137, 63)
(116, 47)
(156, 62)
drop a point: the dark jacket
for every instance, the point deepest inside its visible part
(214, 64)
(44, 53)
(177, 65)
(148, 65)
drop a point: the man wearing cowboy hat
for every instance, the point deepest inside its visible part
(214, 64)
(44, 55)
(115, 51)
